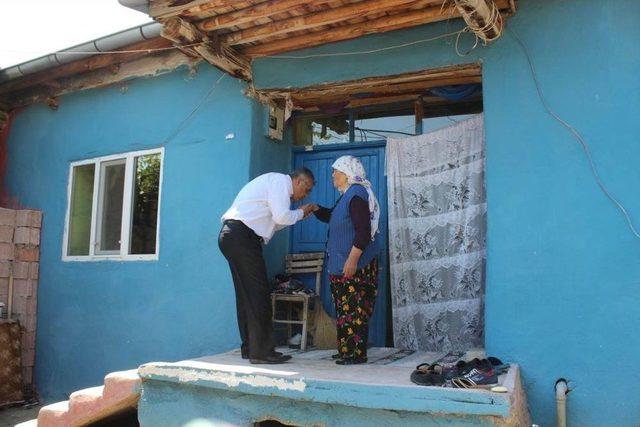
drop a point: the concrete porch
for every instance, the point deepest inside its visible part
(312, 390)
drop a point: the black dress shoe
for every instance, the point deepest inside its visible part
(336, 356)
(351, 361)
(246, 355)
(271, 359)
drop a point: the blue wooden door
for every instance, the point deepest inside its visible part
(311, 235)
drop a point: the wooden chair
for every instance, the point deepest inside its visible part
(299, 264)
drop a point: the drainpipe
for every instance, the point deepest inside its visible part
(562, 389)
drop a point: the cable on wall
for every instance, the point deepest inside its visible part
(574, 132)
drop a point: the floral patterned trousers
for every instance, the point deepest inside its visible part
(354, 298)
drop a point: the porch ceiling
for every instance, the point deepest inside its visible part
(230, 33)
(235, 31)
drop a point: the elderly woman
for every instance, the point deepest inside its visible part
(352, 248)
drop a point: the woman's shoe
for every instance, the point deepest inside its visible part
(336, 356)
(351, 361)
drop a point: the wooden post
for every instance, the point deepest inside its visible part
(352, 126)
(419, 115)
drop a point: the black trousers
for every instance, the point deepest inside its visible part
(242, 248)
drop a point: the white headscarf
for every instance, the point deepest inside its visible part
(351, 166)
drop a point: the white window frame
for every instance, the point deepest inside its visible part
(125, 232)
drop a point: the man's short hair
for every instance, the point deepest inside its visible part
(303, 173)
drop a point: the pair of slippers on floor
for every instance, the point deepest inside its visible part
(477, 373)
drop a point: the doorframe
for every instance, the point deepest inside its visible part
(383, 265)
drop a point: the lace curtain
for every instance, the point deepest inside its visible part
(437, 226)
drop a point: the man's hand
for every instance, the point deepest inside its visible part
(308, 209)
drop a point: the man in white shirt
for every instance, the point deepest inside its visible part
(261, 208)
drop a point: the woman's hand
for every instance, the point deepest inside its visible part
(351, 264)
(350, 267)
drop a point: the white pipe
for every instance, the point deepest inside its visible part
(562, 389)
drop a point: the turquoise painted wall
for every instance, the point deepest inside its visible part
(96, 317)
(563, 269)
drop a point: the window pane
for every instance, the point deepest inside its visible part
(80, 214)
(144, 218)
(112, 181)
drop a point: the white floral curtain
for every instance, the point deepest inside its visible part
(437, 227)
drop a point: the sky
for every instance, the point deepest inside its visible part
(32, 28)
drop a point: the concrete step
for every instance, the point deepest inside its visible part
(121, 391)
(30, 423)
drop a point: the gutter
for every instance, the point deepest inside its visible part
(139, 5)
(103, 44)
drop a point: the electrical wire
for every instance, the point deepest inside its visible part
(385, 131)
(366, 52)
(576, 135)
(183, 123)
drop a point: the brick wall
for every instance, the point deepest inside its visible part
(20, 255)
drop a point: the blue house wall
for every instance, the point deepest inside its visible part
(96, 317)
(563, 270)
(563, 267)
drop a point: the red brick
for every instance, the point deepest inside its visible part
(32, 303)
(22, 288)
(34, 269)
(35, 219)
(7, 217)
(27, 253)
(27, 375)
(5, 268)
(31, 323)
(28, 357)
(22, 218)
(20, 270)
(6, 251)
(34, 236)
(6, 233)
(21, 235)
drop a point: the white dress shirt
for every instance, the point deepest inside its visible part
(264, 205)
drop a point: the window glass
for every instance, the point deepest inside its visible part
(112, 185)
(80, 210)
(144, 219)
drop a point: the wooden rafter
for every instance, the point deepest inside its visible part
(253, 13)
(375, 90)
(83, 65)
(312, 20)
(378, 25)
(415, 88)
(164, 9)
(191, 40)
(354, 86)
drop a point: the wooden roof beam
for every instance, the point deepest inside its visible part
(313, 20)
(253, 13)
(164, 9)
(183, 33)
(385, 88)
(380, 25)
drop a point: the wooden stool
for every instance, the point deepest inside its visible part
(299, 264)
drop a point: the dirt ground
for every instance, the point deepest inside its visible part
(11, 416)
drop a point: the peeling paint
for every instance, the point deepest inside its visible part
(230, 379)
